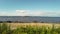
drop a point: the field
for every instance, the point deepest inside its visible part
(14, 25)
(29, 28)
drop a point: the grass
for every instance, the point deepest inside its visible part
(29, 28)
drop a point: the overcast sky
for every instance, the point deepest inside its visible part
(30, 8)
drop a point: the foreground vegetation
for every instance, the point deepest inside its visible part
(6, 29)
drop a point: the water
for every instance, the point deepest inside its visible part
(30, 18)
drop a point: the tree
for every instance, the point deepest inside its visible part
(35, 21)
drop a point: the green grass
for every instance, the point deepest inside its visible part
(5, 29)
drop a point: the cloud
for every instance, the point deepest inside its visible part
(22, 12)
(30, 13)
(37, 13)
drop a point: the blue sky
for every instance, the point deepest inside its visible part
(29, 7)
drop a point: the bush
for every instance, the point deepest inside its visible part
(4, 29)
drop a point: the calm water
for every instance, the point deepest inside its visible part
(30, 19)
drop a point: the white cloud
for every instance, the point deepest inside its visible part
(37, 13)
(22, 12)
(30, 13)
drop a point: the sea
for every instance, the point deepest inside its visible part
(31, 19)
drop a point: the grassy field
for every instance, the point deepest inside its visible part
(29, 28)
(14, 25)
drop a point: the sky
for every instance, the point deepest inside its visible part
(30, 8)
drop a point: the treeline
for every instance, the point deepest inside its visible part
(5, 29)
(20, 22)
